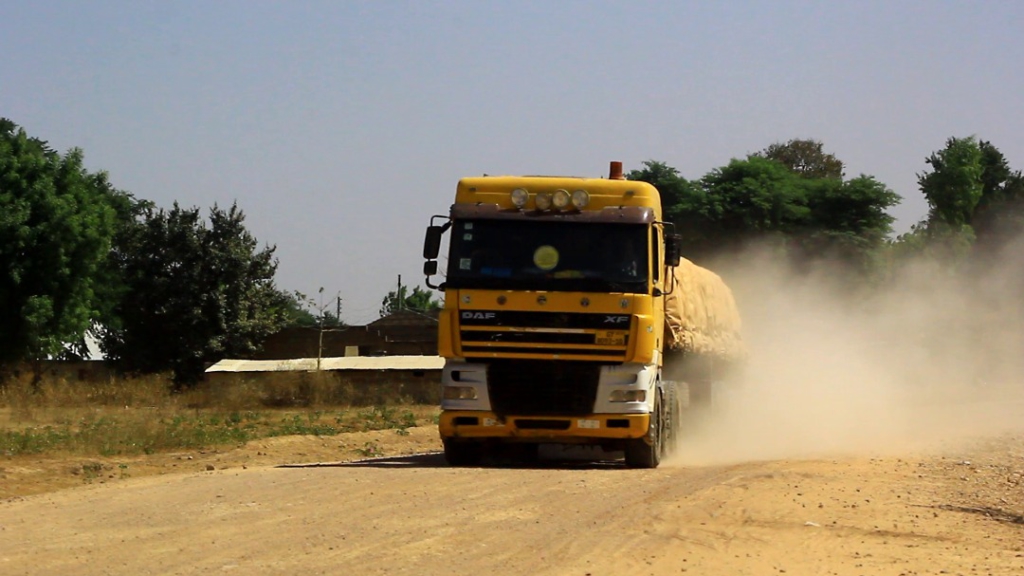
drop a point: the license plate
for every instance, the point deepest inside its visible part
(607, 338)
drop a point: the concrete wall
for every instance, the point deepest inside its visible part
(336, 387)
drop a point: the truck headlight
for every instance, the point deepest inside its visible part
(459, 393)
(628, 396)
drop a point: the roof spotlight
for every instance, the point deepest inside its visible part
(560, 199)
(580, 199)
(542, 200)
(519, 197)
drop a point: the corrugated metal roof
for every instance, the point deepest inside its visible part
(344, 363)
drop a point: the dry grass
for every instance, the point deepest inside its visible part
(126, 416)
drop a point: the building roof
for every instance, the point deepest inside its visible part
(406, 317)
(343, 363)
(403, 333)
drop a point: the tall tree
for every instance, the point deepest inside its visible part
(858, 206)
(806, 158)
(193, 294)
(746, 200)
(419, 300)
(57, 222)
(684, 203)
(849, 223)
(999, 215)
(296, 310)
(751, 197)
(954, 188)
(761, 199)
(954, 185)
(676, 192)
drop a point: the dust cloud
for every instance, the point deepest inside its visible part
(931, 359)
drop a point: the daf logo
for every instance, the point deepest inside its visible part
(479, 315)
(616, 319)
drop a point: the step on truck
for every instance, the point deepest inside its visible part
(570, 318)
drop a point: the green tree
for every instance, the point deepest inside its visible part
(419, 300)
(999, 215)
(57, 222)
(806, 158)
(954, 185)
(759, 199)
(296, 309)
(849, 222)
(193, 294)
(976, 204)
(678, 195)
(858, 206)
(684, 203)
(753, 198)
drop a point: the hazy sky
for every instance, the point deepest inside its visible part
(341, 127)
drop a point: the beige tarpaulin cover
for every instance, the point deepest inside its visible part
(700, 313)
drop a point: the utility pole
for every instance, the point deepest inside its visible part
(320, 346)
(322, 323)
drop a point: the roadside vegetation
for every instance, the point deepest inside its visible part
(165, 292)
(130, 417)
(169, 291)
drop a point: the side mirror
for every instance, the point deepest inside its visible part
(430, 267)
(432, 243)
(673, 250)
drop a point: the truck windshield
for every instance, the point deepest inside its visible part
(557, 256)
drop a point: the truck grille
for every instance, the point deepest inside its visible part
(540, 388)
(561, 335)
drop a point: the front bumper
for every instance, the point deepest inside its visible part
(556, 429)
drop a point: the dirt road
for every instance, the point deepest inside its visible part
(235, 513)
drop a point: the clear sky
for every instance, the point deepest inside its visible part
(341, 127)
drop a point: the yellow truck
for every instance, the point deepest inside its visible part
(566, 303)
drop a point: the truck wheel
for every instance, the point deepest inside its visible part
(673, 416)
(461, 452)
(646, 452)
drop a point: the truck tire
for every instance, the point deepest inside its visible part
(646, 452)
(462, 452)
(673, 416)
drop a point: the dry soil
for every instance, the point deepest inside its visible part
(317, 506)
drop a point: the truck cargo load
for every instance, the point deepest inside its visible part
(701, 316)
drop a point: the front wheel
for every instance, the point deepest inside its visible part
(646, 452)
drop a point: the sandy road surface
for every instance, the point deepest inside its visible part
(936, 514)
